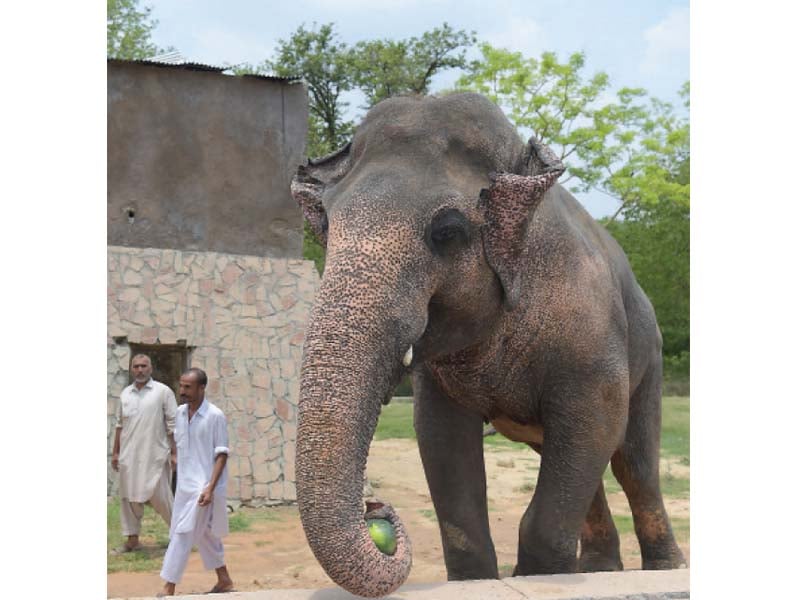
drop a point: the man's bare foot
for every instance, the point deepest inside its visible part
(224, 582)
(169, 590)
(221, 587)
(125, 548)
(132, 545)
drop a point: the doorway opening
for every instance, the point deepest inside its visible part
(169, 361)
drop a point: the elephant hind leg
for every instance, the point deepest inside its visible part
(635, 466)
(599, 538)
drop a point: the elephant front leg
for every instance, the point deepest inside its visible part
(450, 442)
(580, 434)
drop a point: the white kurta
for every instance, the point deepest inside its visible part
(147, 417)
(199, 442)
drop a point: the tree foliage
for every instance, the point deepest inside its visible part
(655, 229)
(643, 154)
(128, 30)
(385, 68)
(319, 57)
(656, 241)
(540, 96)
(627, 148)
(377, 68)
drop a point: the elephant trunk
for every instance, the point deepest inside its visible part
(349, 366)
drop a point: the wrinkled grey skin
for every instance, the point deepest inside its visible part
(446, 233)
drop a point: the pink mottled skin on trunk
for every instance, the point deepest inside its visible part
(350, 364)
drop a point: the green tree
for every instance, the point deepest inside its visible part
(654, 185)
(656, 241)
(642, 156)
(128, 30)
(541, 96)
(385, 68)
(321, 59)
(628, 148)
(318, 56)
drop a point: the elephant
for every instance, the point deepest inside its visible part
(453, 255)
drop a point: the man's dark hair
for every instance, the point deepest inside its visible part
(199, 374)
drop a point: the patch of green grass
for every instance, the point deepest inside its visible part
(610, 483)
(274, 514)
(239, 521)
(675, 427)
(680, 527)
(154, 537)
(505, 570)
(674, 443)
(429, 514)
(674, 487)
(396, 422)
(624, 524)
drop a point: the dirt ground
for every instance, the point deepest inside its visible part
(273, 553)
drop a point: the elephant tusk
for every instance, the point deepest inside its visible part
(409, 356)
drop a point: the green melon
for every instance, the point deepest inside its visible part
(382, 533)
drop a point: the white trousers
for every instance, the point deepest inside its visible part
(180, 546)
(161, 501)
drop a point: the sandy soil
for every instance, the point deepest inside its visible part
(274, 554)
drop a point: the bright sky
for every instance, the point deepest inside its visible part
(639, 44)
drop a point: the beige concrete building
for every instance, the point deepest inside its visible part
(204, 254)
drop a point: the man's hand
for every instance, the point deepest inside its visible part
(173, 459)
(206, 497)
(115, 462)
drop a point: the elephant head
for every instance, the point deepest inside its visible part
(425, 216)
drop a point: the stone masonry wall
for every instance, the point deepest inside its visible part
(243, 317)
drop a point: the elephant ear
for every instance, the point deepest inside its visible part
(508, 206)
(310, 182)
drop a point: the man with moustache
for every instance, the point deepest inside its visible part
(144, 449)
(200, 515)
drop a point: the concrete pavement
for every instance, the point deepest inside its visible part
(623, 585)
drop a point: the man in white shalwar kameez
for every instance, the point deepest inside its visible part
(144, 449)
(200, 515)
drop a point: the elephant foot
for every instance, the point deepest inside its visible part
(545, 565)
(670, 559)
(664, 564)
(592, 562)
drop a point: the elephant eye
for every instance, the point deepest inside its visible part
(448, 230)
